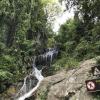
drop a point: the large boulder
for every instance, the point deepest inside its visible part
(67, 85)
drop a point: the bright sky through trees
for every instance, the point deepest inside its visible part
(62, 19)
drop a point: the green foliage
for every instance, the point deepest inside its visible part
(7, 63)
(64, 62)
(77, 41)
(87, 8)
(96, 96)
(67, 31)
(82, 49)
(78, 38)
(43, 95)
(23, 32)
(5, 75)
(98, 61)
(5, 79)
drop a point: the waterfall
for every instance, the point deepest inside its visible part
(47, 56)
(38, 75)
(33, 80)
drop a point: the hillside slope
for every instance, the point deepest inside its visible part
(67, 85)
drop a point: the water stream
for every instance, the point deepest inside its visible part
(33, 80)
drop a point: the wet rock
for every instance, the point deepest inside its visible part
(9, 93)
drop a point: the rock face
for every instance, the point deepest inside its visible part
(67, 85)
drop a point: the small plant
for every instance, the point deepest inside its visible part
(98, 61)
(43, 95)
(96, 96)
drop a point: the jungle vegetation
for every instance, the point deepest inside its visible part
(25, 32)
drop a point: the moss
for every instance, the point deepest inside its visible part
(11, 90)
(43, 95)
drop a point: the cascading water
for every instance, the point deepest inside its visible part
(33, 80)
(38, 75)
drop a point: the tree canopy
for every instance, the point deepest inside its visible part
(23, 33)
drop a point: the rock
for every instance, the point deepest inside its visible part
(67, 85)
(9, 93)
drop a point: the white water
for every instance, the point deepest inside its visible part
(50, 54)
(26, 91)
(39, 76)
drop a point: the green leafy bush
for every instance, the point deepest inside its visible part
(5, 79)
